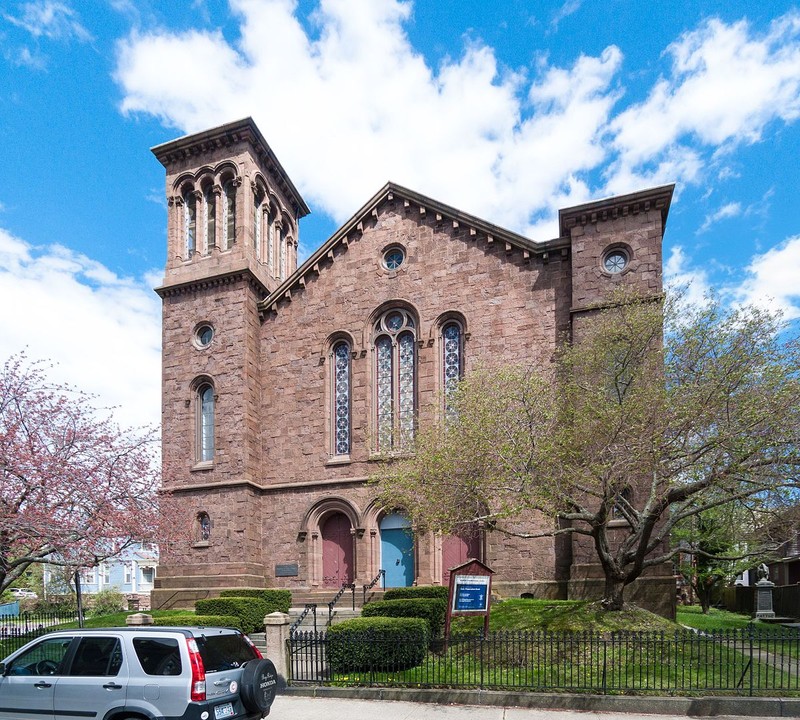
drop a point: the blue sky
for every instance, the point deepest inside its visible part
(507, 110)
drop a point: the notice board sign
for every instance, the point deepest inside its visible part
(470, 592)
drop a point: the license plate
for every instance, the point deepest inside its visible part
(223, 711)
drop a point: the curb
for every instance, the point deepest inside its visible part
(643, 704)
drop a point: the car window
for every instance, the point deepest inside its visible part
(97, 656)
(44, 658)
(223, 652)
(158, 656)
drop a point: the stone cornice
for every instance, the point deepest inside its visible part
(468, 226)
(658, 198)
(212, 281)
(266, 489)
(244, 130)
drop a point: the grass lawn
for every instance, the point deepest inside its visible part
(562, 616)
(692, 616)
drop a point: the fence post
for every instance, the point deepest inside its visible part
(276, 630)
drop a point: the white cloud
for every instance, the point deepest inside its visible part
(774, 279)
(50, 19)
(102, 331)
(679, 275)
(727, 211)
(727, 83)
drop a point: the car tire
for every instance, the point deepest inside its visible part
(259, 683)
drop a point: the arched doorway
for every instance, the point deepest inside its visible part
(459, 548)
(337, 550)
(397, 550)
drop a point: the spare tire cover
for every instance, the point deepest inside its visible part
(259, 684)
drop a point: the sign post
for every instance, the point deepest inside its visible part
(470, 593)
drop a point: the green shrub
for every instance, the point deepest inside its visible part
(191, 619)
(277, 600)
(432, 610)
(377, 643)
(249, 610)
(421, 591)
(107, 602)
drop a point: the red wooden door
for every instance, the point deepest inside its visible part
(337, 551)
(457, 549)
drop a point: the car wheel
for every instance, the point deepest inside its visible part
(259, 684)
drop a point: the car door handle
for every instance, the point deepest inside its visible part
(112, 686)
(42, 684)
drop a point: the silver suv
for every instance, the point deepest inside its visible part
(186, 673)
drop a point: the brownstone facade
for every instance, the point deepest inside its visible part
(269, 444)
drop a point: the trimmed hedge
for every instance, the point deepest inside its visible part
(418, 591)
(432, 610)
(249, 610)
(201, 620)
(277, 600)
(377, 643)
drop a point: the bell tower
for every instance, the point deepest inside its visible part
(232, 236)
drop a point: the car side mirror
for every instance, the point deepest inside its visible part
(2, 669)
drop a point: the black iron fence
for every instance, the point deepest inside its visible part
(744, 662)
(16, 630)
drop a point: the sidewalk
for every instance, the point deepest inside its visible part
(318, 703)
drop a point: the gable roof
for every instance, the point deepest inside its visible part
(460, 221)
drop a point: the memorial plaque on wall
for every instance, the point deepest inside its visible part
(286, 570)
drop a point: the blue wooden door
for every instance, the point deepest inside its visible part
(397, 550)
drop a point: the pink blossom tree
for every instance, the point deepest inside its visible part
(76, 488)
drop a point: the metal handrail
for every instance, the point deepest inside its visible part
(367, 588)
(345, 586)
(308, 608)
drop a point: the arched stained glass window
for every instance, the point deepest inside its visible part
(190, 222)
(396, 377)
(341, 398)
(205, 423)
(452, 362)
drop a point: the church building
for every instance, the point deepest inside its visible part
(284, 385)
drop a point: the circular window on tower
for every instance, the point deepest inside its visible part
(203, 335)
(393, 258)
(615, 261)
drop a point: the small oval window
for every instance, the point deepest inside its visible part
(204, 335)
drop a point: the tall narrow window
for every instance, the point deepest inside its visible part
(395, 373)
(205, 423)
(228, 215)
(282, 240)
(258, 213)
(203, 526)
(190, 222)
(341, 398)
(452, 363)
(211, 219)
(271, 244)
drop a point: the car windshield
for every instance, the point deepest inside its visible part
(223, 652)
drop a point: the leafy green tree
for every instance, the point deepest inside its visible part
(656, 412)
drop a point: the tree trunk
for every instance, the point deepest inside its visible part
(613, 594)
